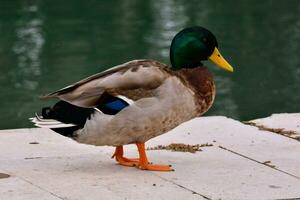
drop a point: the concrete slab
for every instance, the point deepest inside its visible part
(243, 140)
(285, 123)
(234, 167)
(29, 143)
(95, 177)
(18, 189)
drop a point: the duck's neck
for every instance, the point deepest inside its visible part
(200, 80)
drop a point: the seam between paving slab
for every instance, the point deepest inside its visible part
(55, 195)
(39, 187)
(64, 198)
(252, 159)
(27, 181)
(183, 187)
(240, 155)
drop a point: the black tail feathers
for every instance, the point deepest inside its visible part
(69, 114)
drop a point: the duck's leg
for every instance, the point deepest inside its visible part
(144, 163)
(122, 160)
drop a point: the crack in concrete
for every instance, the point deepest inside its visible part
(262, 163)
(183, 187)
(45, 190)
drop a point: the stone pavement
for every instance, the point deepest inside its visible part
(242, 163)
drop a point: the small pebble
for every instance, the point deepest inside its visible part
(2, 175)
(34, 143)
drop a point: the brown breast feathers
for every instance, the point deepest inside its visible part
(200, 80)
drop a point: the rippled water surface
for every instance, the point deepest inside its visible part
(46, 45)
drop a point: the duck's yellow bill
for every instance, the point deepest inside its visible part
(218, 59)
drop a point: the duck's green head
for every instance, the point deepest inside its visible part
(192, 45)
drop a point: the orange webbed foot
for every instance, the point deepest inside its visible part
(141, 162)
(152, 167)
(130, 162)
(144, 163)
(127, 161)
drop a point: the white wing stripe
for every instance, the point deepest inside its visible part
(54, 126)
(48, 123)
(126, 99)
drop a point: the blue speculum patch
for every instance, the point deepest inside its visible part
(117, 105)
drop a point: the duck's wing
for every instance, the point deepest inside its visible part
(126, 78)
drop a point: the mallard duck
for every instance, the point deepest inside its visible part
(138, 100)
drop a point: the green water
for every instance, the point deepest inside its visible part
(46, 45)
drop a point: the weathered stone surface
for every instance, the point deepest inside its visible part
(242, 163)
(287, 124)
